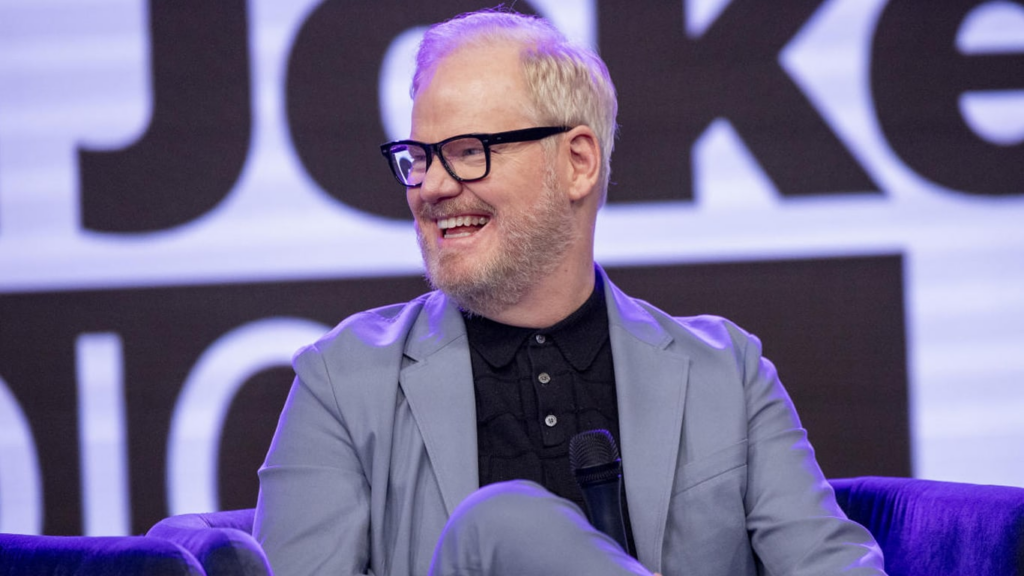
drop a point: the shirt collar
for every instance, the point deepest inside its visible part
(579, 336)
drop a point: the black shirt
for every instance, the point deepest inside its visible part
(536, 389)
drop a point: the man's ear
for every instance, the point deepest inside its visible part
(584, 162)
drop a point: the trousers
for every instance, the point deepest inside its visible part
(518, 528)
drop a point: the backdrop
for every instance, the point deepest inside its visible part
(191, 190)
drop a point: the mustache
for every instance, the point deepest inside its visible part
(450, 208)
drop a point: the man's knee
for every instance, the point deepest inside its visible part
(516, 506)
(518, 527)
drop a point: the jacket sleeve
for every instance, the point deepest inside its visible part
(313, 513)
(796, 527)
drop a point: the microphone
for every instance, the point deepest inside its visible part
(595, 463)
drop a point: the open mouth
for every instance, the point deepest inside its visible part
(461, 226)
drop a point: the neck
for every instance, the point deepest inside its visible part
(555, 297)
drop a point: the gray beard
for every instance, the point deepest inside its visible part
(534, 242)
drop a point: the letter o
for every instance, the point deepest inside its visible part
(202, 406)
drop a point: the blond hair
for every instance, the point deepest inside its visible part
(569, 83)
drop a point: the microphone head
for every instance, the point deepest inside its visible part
(592, 448)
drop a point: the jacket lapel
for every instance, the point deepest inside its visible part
(650, 383)
(438, 383)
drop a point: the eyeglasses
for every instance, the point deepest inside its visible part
(467, 157)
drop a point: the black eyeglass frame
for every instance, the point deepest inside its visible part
(488, 140)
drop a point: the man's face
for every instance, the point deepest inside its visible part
(486, 243)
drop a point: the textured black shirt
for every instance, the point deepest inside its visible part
(535, 389)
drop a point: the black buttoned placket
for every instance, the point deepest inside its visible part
(535, 389)
(552, 385)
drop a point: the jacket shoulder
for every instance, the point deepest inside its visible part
(702, 332)
(383, 327)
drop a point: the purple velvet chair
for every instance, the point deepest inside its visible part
(925, 528)
(22, 555)
(222, 542)
(930, 528)
(216, 544)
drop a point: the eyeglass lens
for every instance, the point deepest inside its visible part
(466, 157)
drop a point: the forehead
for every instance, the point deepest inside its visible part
(474, 89)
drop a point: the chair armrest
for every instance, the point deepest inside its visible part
(29, 555)
(220, 541)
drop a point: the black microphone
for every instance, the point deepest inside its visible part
(595, 462)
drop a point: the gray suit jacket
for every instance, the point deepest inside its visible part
(377, 445)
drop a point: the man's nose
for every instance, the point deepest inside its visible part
(438, 184)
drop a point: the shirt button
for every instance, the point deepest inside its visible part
(540, 338)
(544, 378)
(550, 420)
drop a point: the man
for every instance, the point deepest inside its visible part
(400, 414)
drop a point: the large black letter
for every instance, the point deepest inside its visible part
(198, 137)
(671, 87)
(332, 96)
(918, 75)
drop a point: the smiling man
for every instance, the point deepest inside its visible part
(526, 257)
(433, 436)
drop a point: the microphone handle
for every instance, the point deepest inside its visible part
(604, 502)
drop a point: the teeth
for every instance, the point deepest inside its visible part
(446, 223)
